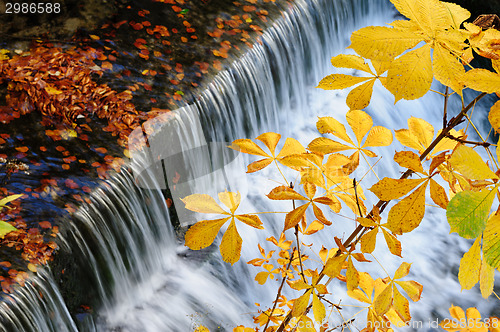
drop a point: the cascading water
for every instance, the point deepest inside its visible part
(147, 281)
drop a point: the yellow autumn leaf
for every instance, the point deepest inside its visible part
(438, 194)
(482, 80)
(378, 136)
(412, 288)
(494, 116)
(407, 214)
(383, 301)
(340, 81)
(300, 304)
(351, 61)
(291, 146)
(250, 220)
(242, 328)
(246, 145)
(388, 189)
(230, 245)
(401, 305)
(352, 275)
(360, 123)
(202, 203)
(230, 200)
(285, 193)
(470, 164)
(203, 233)
(295, 216)
(52, 91)
(407, 138)
(325, 145)
(201, 328)
(457, 14)
(393, 243)
(423, 131)
(360, 96)
(382, 43)
(369, 240)
(318, 309)
(258, 165)
(330, 125)
(410, 160)
(333, 265)
(447, 68)
(270, 140)
(470, 265)
(402, 271)
(410, 75)
(486, 279)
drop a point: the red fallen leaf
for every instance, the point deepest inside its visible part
(43, 148)
(102, 57)
(65, 167)
(22, 149)
(111, 57)
(71, 184)
(86, 189)
(69, 160)
(249, 8)
(5, 264)
(96, 164)
(190, 30)
(127, 72)
(119, 24)
(101, 150)
(146, 23)
(176, 9)
(169, 202)
(174, 82)
(136, 26)
(174, 30)
(145, 52)
(45, 224)
(143, 12)
(184, 39)
(194, 37)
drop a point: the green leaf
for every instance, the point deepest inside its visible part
(468, 212)
(5, 228)
(491, 245)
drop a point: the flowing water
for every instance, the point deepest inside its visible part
(147, 281)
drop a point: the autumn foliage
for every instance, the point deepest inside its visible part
(440, 166)
(61, 85)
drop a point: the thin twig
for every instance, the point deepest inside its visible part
(445, 111)
(463, 141)
(279, 291)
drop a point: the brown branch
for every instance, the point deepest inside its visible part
(463, 141)
(445, 108)
(383, 204)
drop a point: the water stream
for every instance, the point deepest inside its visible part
(147, 281)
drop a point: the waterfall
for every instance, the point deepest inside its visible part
(143, 276)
